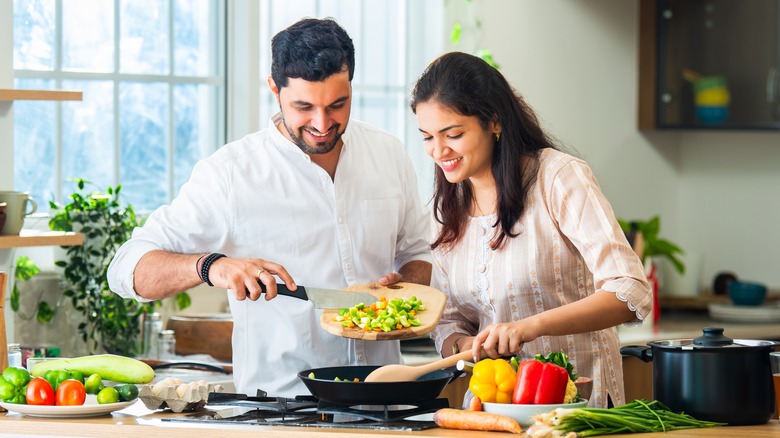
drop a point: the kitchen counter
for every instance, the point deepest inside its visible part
(687, 325)
(137, 420)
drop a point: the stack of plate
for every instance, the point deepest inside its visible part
(756, 314)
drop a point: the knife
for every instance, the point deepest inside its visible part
(324, 298)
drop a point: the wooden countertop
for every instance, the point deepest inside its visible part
(136, 421)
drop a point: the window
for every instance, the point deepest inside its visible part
(153, 79)
(155, 83)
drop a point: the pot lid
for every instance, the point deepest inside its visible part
(712, 337)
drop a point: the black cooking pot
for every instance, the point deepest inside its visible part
(325, 387)
(712, 377)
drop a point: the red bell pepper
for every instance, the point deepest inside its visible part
(540, 383)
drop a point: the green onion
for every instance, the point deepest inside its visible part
(637, 416)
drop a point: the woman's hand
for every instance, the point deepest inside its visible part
(504, 339)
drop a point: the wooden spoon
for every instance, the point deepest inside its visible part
(406, 373)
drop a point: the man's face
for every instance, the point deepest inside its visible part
(315, 114)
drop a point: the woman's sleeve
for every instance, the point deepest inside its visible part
(452, 319)
(585, 217)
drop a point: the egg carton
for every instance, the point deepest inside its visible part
(182, 397)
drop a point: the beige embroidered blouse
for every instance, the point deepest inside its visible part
(570, 246)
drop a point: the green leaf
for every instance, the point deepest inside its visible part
(25, 268)
(456, 31)
(45, 312)
(15, 298)
(487, 56)
(183, 300)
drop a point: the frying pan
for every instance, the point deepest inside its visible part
(324, 387)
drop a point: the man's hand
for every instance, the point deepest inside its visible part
(413, 272)
(242, 276)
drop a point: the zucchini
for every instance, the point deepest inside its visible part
(109, 366)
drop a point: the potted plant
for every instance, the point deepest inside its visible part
(654, 246)
(110, 322)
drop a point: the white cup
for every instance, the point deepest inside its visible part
(18, 205)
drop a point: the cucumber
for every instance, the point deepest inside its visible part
(109, 366)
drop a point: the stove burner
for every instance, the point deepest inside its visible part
(383, 413)
(306, 411)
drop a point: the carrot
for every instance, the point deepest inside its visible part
(449, 418)
(475, 404)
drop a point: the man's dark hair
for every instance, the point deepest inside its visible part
(312, 50)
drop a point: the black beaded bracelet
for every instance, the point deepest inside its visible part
(204, 269)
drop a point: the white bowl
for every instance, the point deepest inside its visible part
(524, 413)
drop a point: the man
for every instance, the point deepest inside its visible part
(315, 198)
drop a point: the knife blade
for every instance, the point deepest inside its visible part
(324, 298)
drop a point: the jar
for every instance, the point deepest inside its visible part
(167, 344)
(14, 355)
(152, 328)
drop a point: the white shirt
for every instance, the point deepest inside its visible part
(570, 245)
(261, 196)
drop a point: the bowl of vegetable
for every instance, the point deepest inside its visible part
(524, 414)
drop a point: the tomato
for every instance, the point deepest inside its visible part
(71, 392)
(39, 392)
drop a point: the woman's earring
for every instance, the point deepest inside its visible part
(498, 136)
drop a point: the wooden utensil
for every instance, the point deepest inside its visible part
(433, 300)
(406, 373)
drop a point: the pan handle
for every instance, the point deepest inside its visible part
(640, 351)
(191, 365)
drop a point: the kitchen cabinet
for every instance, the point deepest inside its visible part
(736, 41)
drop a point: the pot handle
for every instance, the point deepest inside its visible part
(640, 351)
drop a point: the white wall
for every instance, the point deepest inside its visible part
(575, 61)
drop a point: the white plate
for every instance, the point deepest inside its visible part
(755, 314)
(89, 409)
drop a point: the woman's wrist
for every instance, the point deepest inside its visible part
(457, 345)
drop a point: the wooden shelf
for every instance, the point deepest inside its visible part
(10, 94)
(48, 238)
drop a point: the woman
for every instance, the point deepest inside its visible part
(526, 246)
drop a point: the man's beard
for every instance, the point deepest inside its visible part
(319, 147)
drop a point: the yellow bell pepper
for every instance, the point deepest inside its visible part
(493, 381)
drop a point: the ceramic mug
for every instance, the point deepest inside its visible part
(18, 205)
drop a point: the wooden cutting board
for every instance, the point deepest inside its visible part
(433, 300)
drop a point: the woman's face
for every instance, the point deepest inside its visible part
(459, 144)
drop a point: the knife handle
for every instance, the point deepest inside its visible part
(282, 289)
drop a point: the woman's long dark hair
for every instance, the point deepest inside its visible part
(471, 87)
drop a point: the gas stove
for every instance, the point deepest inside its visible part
(308, 411)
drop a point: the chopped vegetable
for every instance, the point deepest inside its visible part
(383, 315)
(637, 416)
(449, 418)
(540, 383)
(493, 380)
